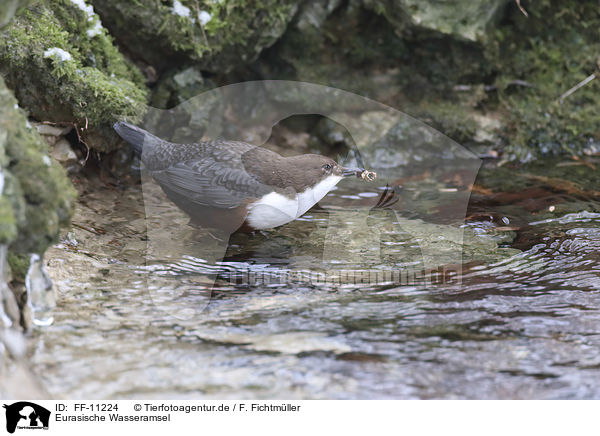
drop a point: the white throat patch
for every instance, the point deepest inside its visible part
(274, 209)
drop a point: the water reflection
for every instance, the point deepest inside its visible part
(522, 324)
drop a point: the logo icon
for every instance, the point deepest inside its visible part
(26, 415)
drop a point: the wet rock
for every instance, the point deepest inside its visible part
(177, 89)
(332, 133)
(395, 61)
(288, 142)
(373, 125)
(466, 19)
(396, 147)
(179, 86)
(313, 13)
(52, 133)
(63, 153)
(67, 70)
(49, 130)
(453, 120)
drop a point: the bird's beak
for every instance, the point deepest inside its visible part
(349, 172)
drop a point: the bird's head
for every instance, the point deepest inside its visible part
(321, 167)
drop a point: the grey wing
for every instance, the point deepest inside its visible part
(210, 182)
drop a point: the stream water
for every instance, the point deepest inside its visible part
(522, 321)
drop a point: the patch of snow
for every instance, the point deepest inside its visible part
(180, 9)
(96, 29)
(89, 10)
(59, 53)
(204, 17)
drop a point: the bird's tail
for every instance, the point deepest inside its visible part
(136, 136)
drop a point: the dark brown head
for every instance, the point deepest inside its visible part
(316, 167)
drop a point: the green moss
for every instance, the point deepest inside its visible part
(88, 87)
(553, 49)
(359, 50)
(235, 34)
(463, 19)
(449, 117)
(37, 196)
(8, 224)
(19, 264)
(415, 67)
(97, 52)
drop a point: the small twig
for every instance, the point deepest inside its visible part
(87, 147)
(204, 35)
(581, 84)
(583, 162)
(490, 88)
(521, 8)
(94, 230)
(201, 25)
(519, 82)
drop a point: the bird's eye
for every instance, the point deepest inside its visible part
(327, 167)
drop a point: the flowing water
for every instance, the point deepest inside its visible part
(521, 321)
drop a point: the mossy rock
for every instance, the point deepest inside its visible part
(462, 19)
(215, 35)
(8, 224)
(64, 68)
(37, 197)
(359, 49)
(553, 49)
(19, 264)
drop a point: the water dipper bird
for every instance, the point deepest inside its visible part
(236, 186)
